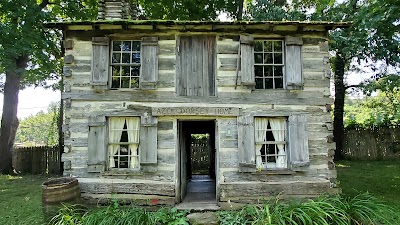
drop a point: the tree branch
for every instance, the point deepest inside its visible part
(44, 4)
(352, 86)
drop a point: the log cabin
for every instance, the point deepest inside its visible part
(139, 95)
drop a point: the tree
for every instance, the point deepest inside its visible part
(40, 128)
(373, 37)
(29, 54)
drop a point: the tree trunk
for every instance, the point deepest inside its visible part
(338, 127)
(240, 10)
(9, 120)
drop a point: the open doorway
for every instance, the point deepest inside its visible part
(197, 161)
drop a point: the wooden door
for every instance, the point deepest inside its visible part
(182, 161)
(195, 66)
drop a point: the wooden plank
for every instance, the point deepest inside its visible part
(294, 70)
(149, 63)
(100, 62)
(298, 142)
(246, 145)
(97, 153)
(247, 61)
(148, 141)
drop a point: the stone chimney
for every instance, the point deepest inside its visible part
(117, 9)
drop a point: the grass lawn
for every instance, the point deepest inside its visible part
(20, 196)
(20, 199)
(380, 178)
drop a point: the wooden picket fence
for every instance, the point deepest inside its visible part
(372, 144)
(200, 154)
(37, 160)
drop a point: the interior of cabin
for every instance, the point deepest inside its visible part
(197, 161)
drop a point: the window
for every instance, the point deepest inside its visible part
(123, 145)
(125, 63)
(268, 67)
(270, 142)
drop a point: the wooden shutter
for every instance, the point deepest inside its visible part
(100, 62)
(148, 141)
(195, 66)
(97, 154)
(293, 63)
(247, 60)
(298, 142)
(246, 144)
(149, 63)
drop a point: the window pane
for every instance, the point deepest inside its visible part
(136, 57)
(267, 46)
(268, 58)
(135, 82)
(269, 83)
(136, 46)
(278, 71)
(115, 82)
(126, 46)
(278, 46)
(125, 71)
(258, 57)
(117, 46)
(115, 70)
(278, 83)
(259, 83)
(271, 159)
(125, 82)
(116, 57)
(135, 71)
(125, 58)
(268, 71)
(258, 71)
(258, 46)
(278, 58)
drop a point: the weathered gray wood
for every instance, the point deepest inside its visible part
(100, 62)
(148, 140)
(104, 186)
(294, 70)
(195, 72)
(137, 199)
(246, 145)
(260, 190)
(210, 111)
(282, 97)
(298, 141)
(97, 153)
(149, 63)
(247, 60)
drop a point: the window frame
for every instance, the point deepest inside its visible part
(109, 143)
(121, 64)
(259, 156)
(273, 64)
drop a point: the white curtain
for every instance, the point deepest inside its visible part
(116, 126)
(133, 125)
(260, 126)
(278, 130)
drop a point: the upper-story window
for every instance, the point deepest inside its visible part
(268, 64)
(125, 64)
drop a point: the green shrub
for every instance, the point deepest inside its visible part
(325, 210)
(118, 215)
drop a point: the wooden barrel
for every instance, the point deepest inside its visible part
(57, 191)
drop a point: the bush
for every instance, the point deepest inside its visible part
(333, 210)
(117, 215)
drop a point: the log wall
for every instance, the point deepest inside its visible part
(82, 101)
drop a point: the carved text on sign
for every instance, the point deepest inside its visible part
(195, 111)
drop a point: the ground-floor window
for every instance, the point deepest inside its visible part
(270, 141)
(123, 142)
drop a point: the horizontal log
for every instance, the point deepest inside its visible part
(128, 199)
(282, 97)
(120, 186)
(260, 190)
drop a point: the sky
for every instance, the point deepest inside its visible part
(33, 100)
